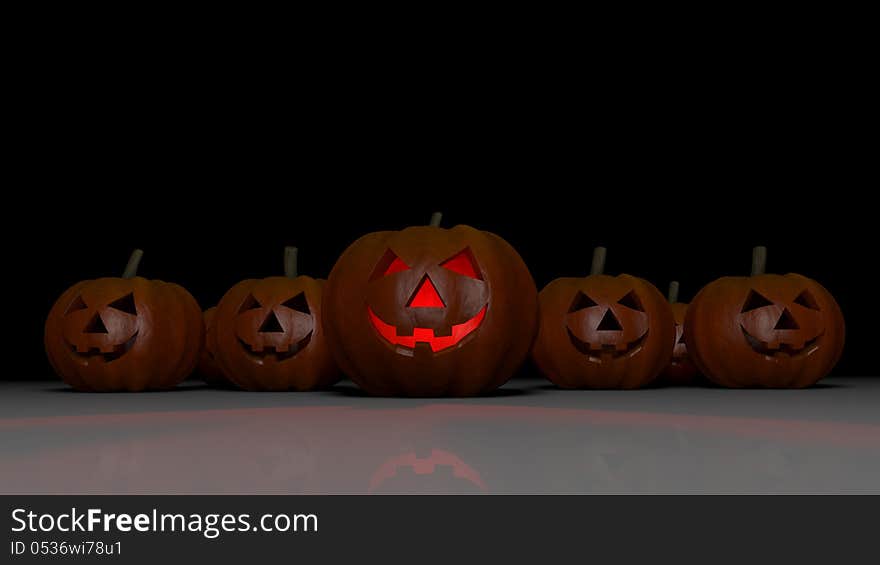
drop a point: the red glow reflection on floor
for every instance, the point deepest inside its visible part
(811, 431)
(843, 433)
(426, 466)
(172, 415)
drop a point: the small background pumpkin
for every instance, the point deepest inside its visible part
(124, 334)
(602, 331)
(681, 370)
(268, 333)
(775, 331)
(208, 369)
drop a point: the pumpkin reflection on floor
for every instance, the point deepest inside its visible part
(440, 471)
(542, 442)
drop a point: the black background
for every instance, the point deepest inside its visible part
(679, 164)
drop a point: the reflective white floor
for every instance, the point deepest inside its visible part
(529, 438)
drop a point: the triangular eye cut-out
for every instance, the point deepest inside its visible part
(388, 265)
(249, 304)
(806, 300)
(631, 300)
(581, 301)
(681, 338)
(755, 300)
(396, 266)
(298, 303)
(77, 304)
(124, 304)
(463, 263)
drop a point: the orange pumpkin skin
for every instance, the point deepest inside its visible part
(208, 368)
(132, 334)
(268, 335)
(428, 311)
(579, 345)
(770, 331)
(681, 370)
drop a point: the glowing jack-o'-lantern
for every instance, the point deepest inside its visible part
(268, 333)
(429, 311)
(780, 331)
(124, 334)
(681, 370)
(602, 331)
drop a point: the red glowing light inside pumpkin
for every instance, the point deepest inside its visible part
(426, 335)
(396, 266)
(426, 296)
(463, 264)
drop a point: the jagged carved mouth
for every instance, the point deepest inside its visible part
(95, 353)
(427, 335)
(274, 352)
(602, 353)
(780, 349)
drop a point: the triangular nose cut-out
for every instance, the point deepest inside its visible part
(96, 326)
(426, 296)
(786, 322)
(609, 323)
(271, 324)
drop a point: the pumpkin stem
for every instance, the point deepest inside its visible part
(759, 260)
(290, 262)
(598, 266)
(673, 292)
(436, 218)
(131, 268)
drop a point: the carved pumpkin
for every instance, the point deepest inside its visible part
(268, 333)
(681, 370)
(208, 368)
(124, 334)
(602, 331)
(428, 311)
(777, 331)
